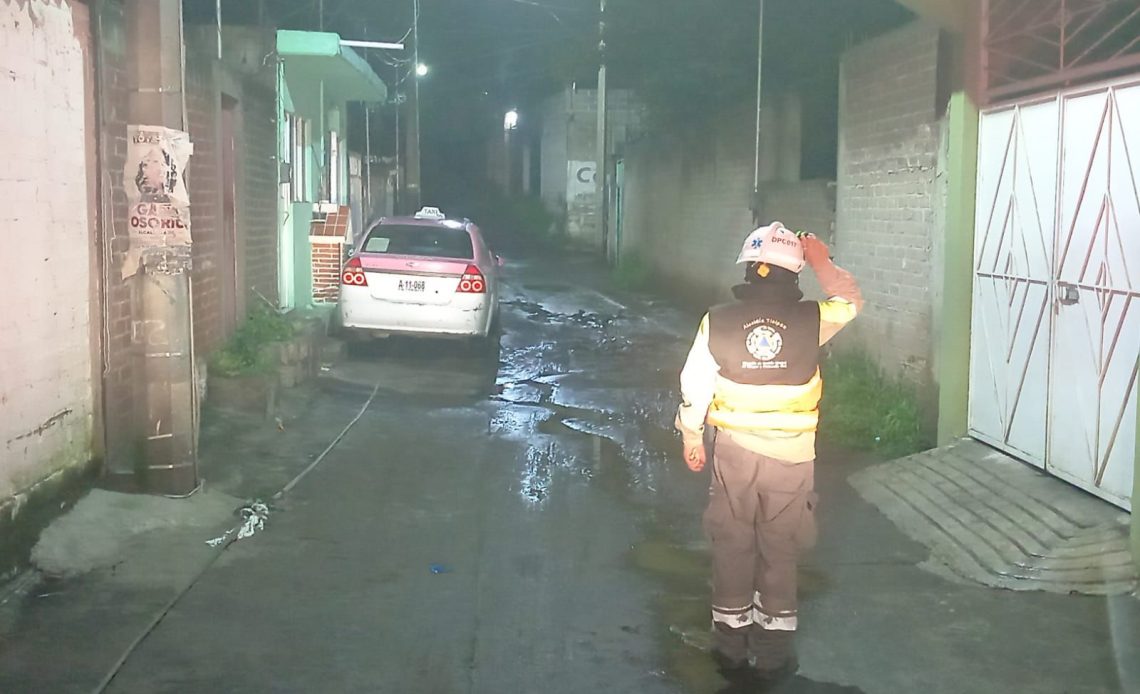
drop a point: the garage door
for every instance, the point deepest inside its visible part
(1056, 329)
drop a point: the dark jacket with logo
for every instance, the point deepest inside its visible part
(753, 369)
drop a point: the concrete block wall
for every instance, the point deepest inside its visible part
(553, 153)
(49, 321)
(687, 205)
(888, 191)
(806, 205)
(688, 196)
(570, 133)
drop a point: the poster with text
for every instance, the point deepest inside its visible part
(154, 178)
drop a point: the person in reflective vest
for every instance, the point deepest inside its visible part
(753, 374)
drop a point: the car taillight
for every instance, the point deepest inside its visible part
(354, 274)
(472, 282)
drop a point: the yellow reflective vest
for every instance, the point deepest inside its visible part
(744, 378)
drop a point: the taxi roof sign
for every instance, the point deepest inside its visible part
(430, 213)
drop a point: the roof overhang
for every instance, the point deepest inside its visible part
(315, 58)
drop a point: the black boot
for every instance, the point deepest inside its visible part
(773, 654)
(730, 652)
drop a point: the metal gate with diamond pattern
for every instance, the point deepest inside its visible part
(1056, 327)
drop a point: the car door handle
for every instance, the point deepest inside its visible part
(1068, 294)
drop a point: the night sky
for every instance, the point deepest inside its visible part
(687, 58)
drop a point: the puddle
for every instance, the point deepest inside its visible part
(682, 570)
(536, 476)
(582, 318)
(793, 685)
(582, 442)
(681, 564)
(594, 456)
(512, 421)
(534, 311)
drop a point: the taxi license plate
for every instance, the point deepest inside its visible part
(415, 286)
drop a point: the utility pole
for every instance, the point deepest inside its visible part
(400, 180)
(602, 165)
(756, 212)
(413, 173)
(367, 215)
(166, 423)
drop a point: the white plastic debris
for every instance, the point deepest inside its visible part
(253, 517)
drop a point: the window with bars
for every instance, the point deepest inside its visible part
(1035, 45)
(298, 153)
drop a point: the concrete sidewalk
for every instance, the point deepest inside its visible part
(996, 521)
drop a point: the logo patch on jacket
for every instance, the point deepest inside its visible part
(764, 340)
(764, 343)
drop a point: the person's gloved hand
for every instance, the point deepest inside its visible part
(695, 456)
(816, 252)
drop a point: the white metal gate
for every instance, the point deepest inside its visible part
(1056, 328)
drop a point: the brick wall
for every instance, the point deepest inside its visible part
(327, 256)
(328, 236)
(258, 190)
(687, 199)
(887, 192)
(48, 356)
(204, 185)
(218, 287)
(123, 387)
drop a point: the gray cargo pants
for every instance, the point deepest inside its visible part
(760, 516)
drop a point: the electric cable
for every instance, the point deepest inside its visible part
(230, 538)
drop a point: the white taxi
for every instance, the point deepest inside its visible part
(424, 275)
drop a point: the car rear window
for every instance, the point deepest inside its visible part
(411, 239)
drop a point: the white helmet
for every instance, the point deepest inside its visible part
(773, 245)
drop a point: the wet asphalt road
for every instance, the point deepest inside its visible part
(522, 522)
(472, 533)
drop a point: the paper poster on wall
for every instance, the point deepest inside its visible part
(154, 178)
(580, 179)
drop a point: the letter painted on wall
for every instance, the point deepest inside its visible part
(580, 179)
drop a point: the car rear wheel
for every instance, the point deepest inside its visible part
(489, 343)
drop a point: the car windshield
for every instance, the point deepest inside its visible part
(413, 239)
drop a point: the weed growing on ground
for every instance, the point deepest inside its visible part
(244, 353)
(632, 272)
(865, 409)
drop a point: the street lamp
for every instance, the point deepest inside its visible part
(422, 70)
(510, 124)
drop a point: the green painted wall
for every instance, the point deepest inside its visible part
(302, 214)
(285, 267)
(958, 270)
(316, 79)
